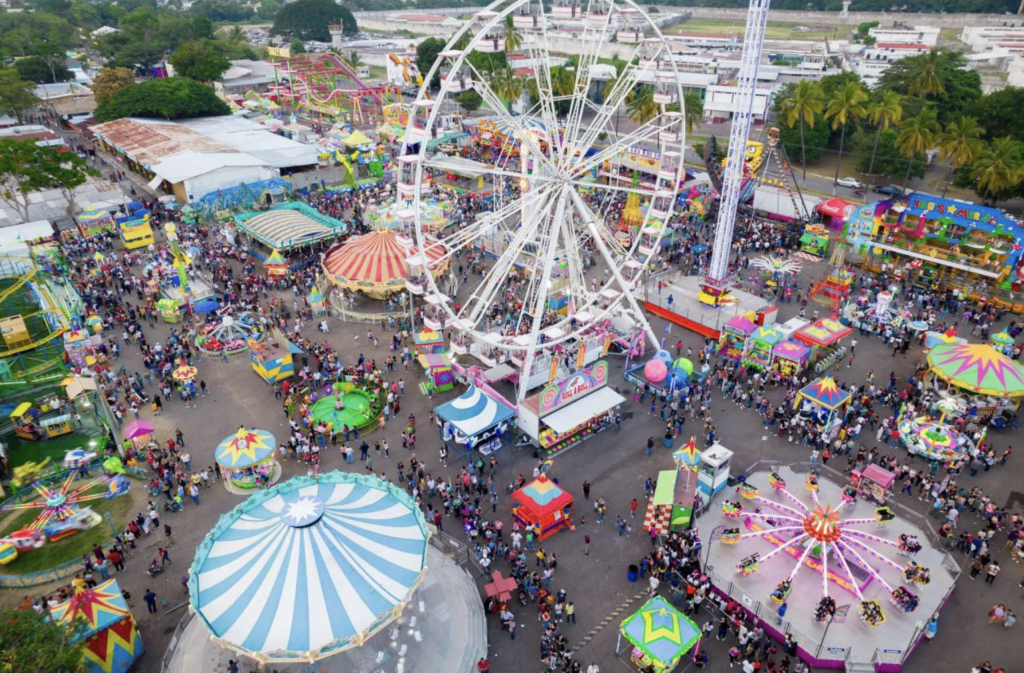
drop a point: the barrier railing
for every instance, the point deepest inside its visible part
(175, 640)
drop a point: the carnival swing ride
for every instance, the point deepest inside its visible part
(816, 535)
(550, 221)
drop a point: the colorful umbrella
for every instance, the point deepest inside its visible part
(660, 632)
(245, 448)
(687, 455)
(977, 367)
(138, 428)
(184, 373)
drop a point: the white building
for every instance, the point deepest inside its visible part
(983, 38)
(927, 35)
(720, 102)
(875, 60)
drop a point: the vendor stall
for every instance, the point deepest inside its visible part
(272, 359)
(789, 358)
(824, 403)
(542, 503)
(873, 482)
(660, 636)
(317, 302)
(758, 350)
(734, 337)
(439, 372)
(246, 458)
(565, 413)
(814, 240)
(275, 264)
(139, 432)
(169, 310)
(427, 342)
(474, 420)
(93, 220)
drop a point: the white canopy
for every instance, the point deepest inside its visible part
(592, 405)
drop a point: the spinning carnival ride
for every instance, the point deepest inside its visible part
(60, 510)
(815, 535)
(547, 216)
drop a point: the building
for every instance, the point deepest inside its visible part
(720, 102)
(194, 157)
(927, 35)
(983, 38)
(875, 60)
(67, 98)
(245, 75)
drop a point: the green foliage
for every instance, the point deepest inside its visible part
(889, 162)
(31, 643)
(26, 167)
(111, 80)
(940, 78)
(863, 28)
(17, 95)
(46, 36)
(222, 10)
(167, 98)
(1000, 112)
(199, 60)
(816, 138)
(297, 46)
(36, 69)
(925, 6)
(308, 20)
(469, 101)
(426, 53)
(870, 40)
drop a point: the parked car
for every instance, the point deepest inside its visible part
(852, 183)
(889, 190)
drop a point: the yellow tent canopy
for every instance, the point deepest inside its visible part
(356, 138)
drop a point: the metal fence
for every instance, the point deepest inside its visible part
(457, 551)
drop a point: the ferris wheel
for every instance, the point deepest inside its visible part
(585, 177)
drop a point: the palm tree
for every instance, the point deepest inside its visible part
(926, 75)
(883, 113)
(846, 106)
(805, 103)
(917, 134)
(354, 60)
(508, 87)
(513, 38)
(693, 110)
(959, 144)
(640, 105)
(998, 166)
(236, 35)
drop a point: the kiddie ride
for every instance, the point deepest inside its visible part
(28, 539)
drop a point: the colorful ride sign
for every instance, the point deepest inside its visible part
(573, 388)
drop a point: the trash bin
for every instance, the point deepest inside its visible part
(667, 441)
(633, 574)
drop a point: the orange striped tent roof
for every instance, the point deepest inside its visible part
(376, 258)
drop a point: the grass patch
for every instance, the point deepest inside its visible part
(53, 554)
(22, 451)
(776, 30)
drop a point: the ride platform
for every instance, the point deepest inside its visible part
(686, 310)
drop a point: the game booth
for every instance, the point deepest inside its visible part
(140, 433)
(93, 220)
(275, 264)
(823, 402)
(273, 359)
(790, 357)
(734, 337)
(317, 302)
(101, 617)
(568, 412)
(428, 342)
(671, 507)
(474, 420)
(814, 240)
(984, 377)
(438, 369)
(169, 310)
(246, 459)
(759, 347)
(823, 337)
(659, 636)
(543, 503)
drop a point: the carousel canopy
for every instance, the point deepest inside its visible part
(373, 259)
(245, 448)
(289, 225)
(309, 567)
(473, 411)
(977, 367)
(826, 392)
(275, 258)
(661, 632)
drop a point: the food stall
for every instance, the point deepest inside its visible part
(139, 432)
(275, 264)
(659, 636)
(790, 357)
(246, 458)
(734, 337)
(758, 350)
(543, 503)
(169, 310)
(439, 372)
(428, 342)
(474, 421)
(567, 412)
(873, 482)
(823, 402)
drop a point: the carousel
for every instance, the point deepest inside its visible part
(988, 380)
(230, 333)
(246, 459)
(435, 215)
(376, 264)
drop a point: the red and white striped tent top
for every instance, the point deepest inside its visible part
(375, 261)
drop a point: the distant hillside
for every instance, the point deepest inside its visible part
(933, 6)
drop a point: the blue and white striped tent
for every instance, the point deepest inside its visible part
(309, 567)
(472, 413)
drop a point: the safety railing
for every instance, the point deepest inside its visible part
(175, 640)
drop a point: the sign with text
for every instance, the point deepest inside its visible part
(573, 388)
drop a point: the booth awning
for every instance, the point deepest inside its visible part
(837, 208)
(592, 405)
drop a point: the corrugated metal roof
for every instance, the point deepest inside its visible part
(190, 164)
(150, 142)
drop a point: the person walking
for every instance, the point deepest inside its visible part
(992, 572)
(586, 490)
(150, 598)
(996, 614)
(586, 545)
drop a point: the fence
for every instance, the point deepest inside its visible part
(457, 551)
(175, 639)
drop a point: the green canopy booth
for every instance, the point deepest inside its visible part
(659, 634)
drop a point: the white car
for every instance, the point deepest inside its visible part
(852, 183)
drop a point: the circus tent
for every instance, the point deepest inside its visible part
(100, 616)
(375, 263)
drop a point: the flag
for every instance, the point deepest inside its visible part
(716, 534)
(840, 615)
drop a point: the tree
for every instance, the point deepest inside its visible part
(308, 20)
(998, 167)
(236, 35)
(199, 61)
(17, 96)
(870, 40)
(882, 114)
(354, 60)
(878, 151)
(640, 105)
(36, 69)
(111, 80)
(846, 105)
(925, 79)
(427, 53)
(513, 38)
(165, 98)
(865, 28)
(802, 107)
(508, 87)
(38, 34)
(917, 134)
(693, 110)
(469, 101)
(959, 143)
(26, 167)
(297, 46)
(1001, 111)
(915, 77)
(32, 643)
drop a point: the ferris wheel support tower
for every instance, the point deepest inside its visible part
(715, 289)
